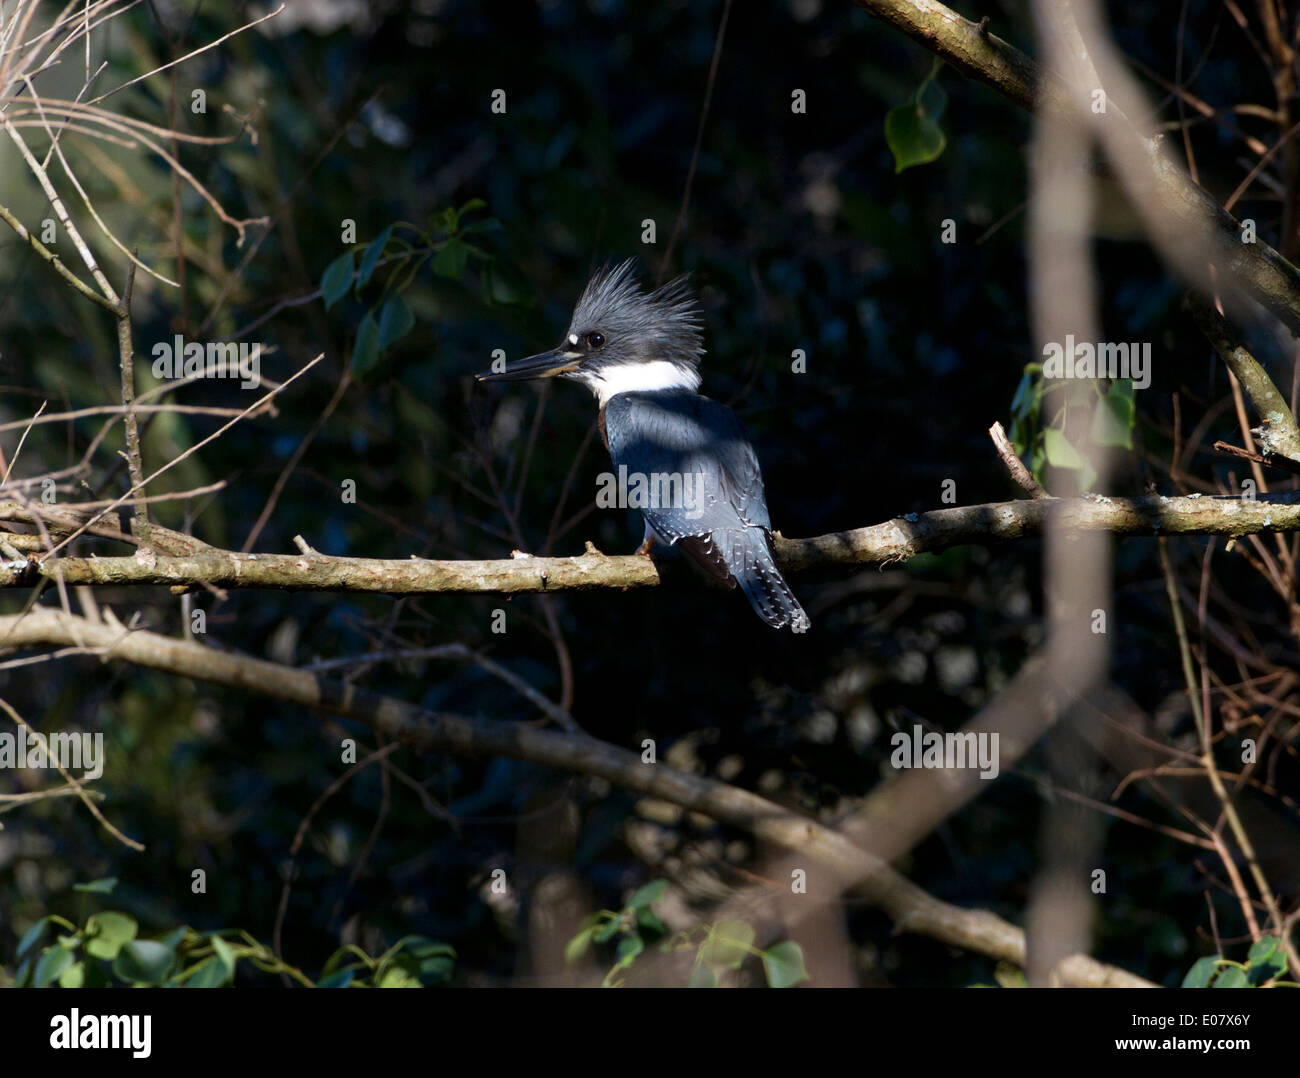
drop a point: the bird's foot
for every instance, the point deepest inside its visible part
(645, 546)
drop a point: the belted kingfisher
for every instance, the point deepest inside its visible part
(639, 353)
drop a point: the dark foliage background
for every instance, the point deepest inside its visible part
(799, 235)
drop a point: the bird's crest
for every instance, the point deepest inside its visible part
(664, 323)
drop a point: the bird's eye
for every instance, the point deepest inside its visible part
(594, 340)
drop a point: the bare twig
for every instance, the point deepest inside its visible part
(1015, 466)
(1271, 460)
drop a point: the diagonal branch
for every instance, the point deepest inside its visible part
(912, 908)
(1283, 436)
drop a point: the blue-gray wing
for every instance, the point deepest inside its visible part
(719, 516)
(700, 444)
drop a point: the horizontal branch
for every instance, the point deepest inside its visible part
(1269, 460)
(892, 541)
(827, 851)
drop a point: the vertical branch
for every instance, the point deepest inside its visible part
(1077, 568)
(1283, 78)
(126, 356)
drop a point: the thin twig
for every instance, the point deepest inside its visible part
(1019, 473)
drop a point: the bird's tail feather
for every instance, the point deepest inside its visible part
(749, 557)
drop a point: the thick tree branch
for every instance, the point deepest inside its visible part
(826, 850)
(1282, 436)
(973, 51)
(893, 541)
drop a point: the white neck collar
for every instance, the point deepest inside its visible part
(640, 377)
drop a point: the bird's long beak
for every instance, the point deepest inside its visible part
(545, 365)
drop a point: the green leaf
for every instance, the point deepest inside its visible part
(346, 957)
(399, 975)
(628, 948)
(224, 954)
(728, 944)
(108, 932)
(444, 220)
(1122, 390)
(337, 279)
(31, 936)
(421, 959)
(365, 349)
(470, 206)
(74, 976)
(645, 918)
(1009, 976)
(1113, 418)
(450, 261)
(423, 947)
(702, 976)
(211, 973)
(1107, 429)
(913, 133)
(1202, 972)
(97, 887)
(784, 966)
(1024, 393)
(579, 945)
(1019, 439)
(1232, 977)
(607, 931)
(586, 932)
(436, 969)
(52, 964)
(341, 979)
(1266, 960)
(1087, 477)
(395, 321)
(648, 894)
(173, 939)
(144, 962)
(369, 260)
(1060, 453)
